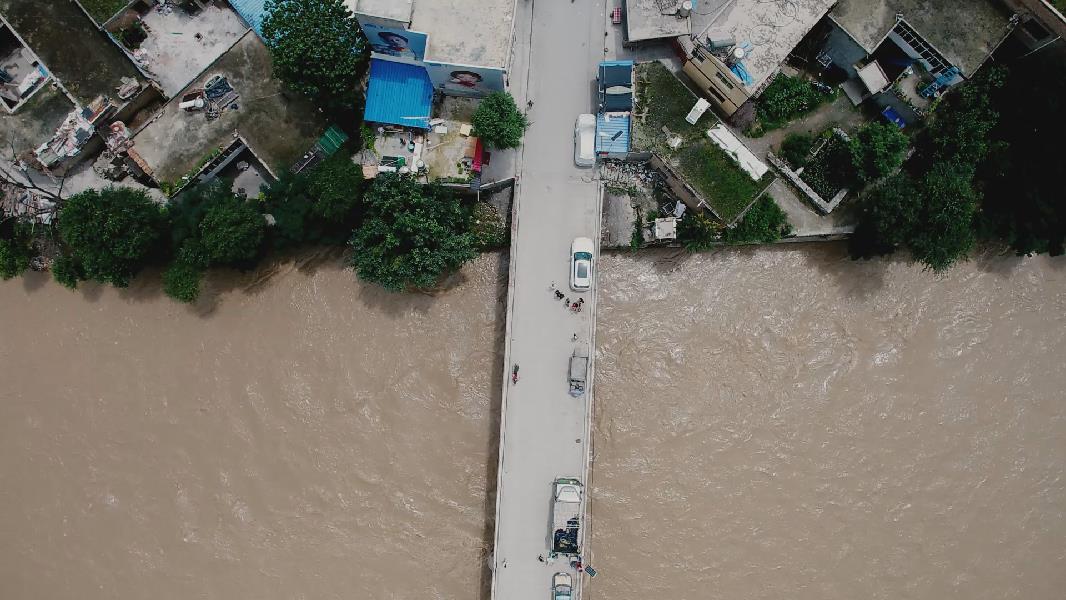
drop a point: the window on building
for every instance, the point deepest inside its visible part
(723, 79)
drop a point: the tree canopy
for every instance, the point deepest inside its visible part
(109, 235)
(322, 206)
(698, 232)
(16, 247)
(931, 209)
(877, 149)
(411, 234)
(498, 122)
(764, 223)
(1024, 198)
(316, 47)
(231, 232)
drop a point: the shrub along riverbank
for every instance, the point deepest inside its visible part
(402, 234)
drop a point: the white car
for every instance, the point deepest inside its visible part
(562, 587)
(585, 141)
(581, 264)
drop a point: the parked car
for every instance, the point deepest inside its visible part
(585, 141)
(562, 587)
(581, 264)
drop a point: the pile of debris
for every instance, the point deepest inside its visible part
(216, 97)
(629, 174)
(73, 134)
(26, 204)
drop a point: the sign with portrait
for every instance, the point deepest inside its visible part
(464, 80)
(393, 41)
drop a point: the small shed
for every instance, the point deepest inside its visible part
(612, 134)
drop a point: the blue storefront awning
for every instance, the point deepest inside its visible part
(398, 94)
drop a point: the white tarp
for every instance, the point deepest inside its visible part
(732, 146)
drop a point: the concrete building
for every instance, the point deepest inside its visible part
(423, 48)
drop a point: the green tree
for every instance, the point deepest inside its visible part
(932, 218)
(316, 47)
(412, 234)
(181, 281)
(231, 232)
(213, 226)
(764, 223)
(698, 232)
(877, 149)
(945, 230)
(1023, 191)
(110, 234)
(320, 207)
(498, 122)
(66, 272)
(16, 247)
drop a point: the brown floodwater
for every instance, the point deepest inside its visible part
(787, 423)
(304, 436)
(773, 423)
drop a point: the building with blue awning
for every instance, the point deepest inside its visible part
(398, 94)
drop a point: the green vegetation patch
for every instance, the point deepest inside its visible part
(786, 99)
(830, 170)
(663, 101)
(715, 176)
(102, 10)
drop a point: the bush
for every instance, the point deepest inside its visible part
(698, 232)
(322, 206)
(877, 149)
(231, 232)
(181, 281)
(787, 98)
(66, 272)
(16, 248)
(796, 147)
(498, 122)
(412, 235)
(213, 226)
(830, 170)
(110, 234)
(764, 223)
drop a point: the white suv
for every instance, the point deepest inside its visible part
(581, 264)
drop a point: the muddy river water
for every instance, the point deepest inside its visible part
(779, 423)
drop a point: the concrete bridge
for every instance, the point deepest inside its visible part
(544, 432)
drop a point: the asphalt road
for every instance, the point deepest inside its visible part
(544, 432)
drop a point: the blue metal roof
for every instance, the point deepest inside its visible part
(399, 94)
(252, 11)
(612, 135)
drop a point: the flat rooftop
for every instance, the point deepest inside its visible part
(71, 47)
(463, 32)
(645, 20)
(964, 31)
(179, 45)
(466, 32)
(772, 28)
(396, 10)
(278, 124)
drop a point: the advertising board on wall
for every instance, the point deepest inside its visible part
(397, 42)
(464, 80)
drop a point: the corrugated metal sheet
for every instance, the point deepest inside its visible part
(332, 140)
(252, 11)
(612, 133)
(398, 94)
